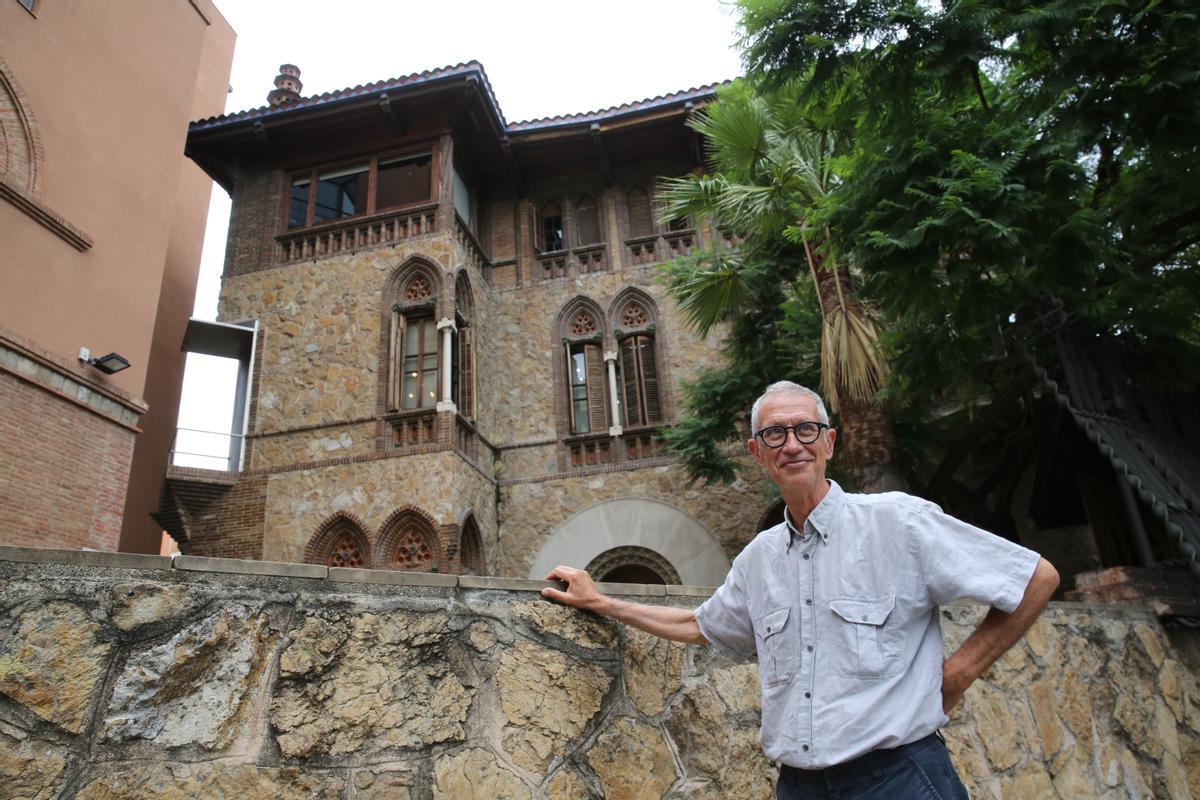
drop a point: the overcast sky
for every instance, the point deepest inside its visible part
(542, 59)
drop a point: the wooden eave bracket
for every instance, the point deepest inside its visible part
(689, 110)
(390, 109)
(260, 133)
(601, 152)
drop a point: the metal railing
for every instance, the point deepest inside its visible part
(214, 450)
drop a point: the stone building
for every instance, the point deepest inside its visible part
(463, 356)
(101, 225)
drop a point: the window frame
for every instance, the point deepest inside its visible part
(313, 176)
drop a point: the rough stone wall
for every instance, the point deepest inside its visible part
(134, 677)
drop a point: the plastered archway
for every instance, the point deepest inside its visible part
(633, 522)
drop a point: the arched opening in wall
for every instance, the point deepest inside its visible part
(772, 516)
(462, 355)
(470, 548)
(413, 355)
(339, 542)
(632, 565)
(408, 543)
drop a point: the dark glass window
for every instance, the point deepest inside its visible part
(403, 180)
(341, 194)
(298, 204)
(552, 227)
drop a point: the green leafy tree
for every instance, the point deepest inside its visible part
(770, 170)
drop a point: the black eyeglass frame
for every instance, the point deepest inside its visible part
(795, 430)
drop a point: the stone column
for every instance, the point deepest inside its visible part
(610, 358)
(447, 327)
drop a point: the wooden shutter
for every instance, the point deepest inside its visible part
(587, 221)
(466, 372)
(395, 361)
(535, 228)
(629, 377)
(594, 361)
(640, 221)
(649, 365)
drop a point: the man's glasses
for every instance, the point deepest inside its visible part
(776, 435)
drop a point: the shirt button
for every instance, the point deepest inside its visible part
(810, 648)
(808, 694)
(864, 619)
(806, 556)
(809, 603)
(804, 747)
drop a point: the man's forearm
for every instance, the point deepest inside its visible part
(998, 632)
(676, 624)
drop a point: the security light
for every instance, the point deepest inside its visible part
(108, 364)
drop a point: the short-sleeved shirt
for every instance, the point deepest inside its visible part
(844, 619)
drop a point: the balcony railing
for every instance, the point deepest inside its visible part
(660, 247)
(584, 259)
(359, 233)
(466, 239)
(417, 428)
(589, 451)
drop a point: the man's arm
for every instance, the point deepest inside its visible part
(998, 632)
(677, 624)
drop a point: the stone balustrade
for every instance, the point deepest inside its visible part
(358, 233)
(140, 677)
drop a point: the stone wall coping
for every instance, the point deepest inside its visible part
(690, 591)
(508, 584)
(87, 558)
(238, 566)
(641, 589)
(391, 576)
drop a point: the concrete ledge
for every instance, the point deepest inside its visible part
(393, 577)
(85, 558)
(690, 591)
(508, 584)
(640, 589)
(236, 566)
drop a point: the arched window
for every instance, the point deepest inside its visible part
(641, 222)
(632, 565)
(413, 345)
(463, 361)
(339, 542)
(586, 386)
(470, 548)
(550, 228)
(639, 379)
(587, 221)
(408, 543)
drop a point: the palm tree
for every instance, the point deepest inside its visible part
(771, 175)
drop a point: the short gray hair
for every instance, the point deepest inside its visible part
(787, 387)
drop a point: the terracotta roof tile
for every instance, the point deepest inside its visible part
(615, 111)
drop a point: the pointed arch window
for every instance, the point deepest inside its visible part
(586, 390)
(414, 360)
(471, 549)
(408, 543)
(340, 542)
(639, 378)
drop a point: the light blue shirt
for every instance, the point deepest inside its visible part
(844, 619)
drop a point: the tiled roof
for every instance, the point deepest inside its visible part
(616, 111)
(378, 87)
(315, 101)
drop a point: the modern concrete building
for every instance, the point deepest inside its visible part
(464, 354)
(101, 225)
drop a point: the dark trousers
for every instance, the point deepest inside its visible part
(920, 770)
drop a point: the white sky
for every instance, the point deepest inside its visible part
(542, 58)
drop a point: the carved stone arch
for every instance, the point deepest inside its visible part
(340, 541)
(408, 541)
(772, 516)
(470, 548)
(21, 152)
(632, 300)
(632, 565)
(569, 324)
(464, 297)
(423, 280)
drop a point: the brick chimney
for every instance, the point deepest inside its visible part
(287, 86)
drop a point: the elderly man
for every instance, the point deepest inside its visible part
(840, 602)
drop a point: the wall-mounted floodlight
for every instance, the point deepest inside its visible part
(108, 364)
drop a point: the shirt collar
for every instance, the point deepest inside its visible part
(821, 518)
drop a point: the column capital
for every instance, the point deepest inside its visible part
(446, 405)
(610, 355)
(446, 322)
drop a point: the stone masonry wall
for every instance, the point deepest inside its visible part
(128, 676)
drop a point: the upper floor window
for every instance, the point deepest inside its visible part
(324, 195)
(587, 221)
(639, 374)
(413, 347)
(586, 386)
(641, 221)
(551, 228)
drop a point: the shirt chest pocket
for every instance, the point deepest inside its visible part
(778, 640)
(866, 648)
